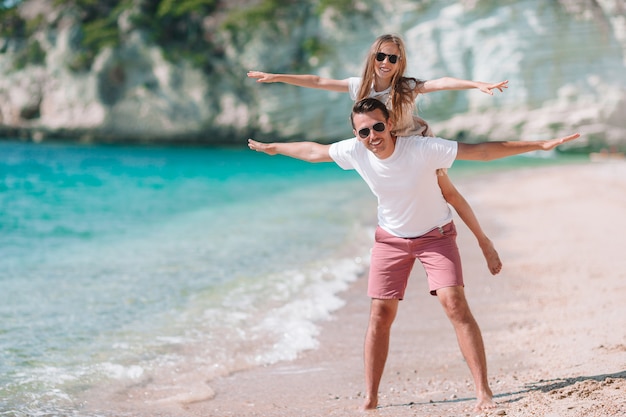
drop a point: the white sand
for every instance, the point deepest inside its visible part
(554, 321)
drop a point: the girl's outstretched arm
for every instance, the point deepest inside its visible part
(449, 83)
(308, 81)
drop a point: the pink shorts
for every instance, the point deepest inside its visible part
(393, 259)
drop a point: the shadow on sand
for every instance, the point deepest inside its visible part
(514, 396)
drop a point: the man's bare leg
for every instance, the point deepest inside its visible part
(470, 341)
(382, 315)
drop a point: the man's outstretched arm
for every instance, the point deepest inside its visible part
(306, 151)
(488, 151)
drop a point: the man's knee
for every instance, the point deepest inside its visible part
(383, 312)
(455, 304)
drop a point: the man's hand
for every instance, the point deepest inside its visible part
(267, 148)
(553, 143)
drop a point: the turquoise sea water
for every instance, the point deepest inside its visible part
(119, 264)
(114, 257)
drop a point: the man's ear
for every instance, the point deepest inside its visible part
(389, 124)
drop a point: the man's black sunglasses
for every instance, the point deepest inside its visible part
(365, 132)
(380, 57)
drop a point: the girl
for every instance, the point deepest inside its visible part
(383, 78)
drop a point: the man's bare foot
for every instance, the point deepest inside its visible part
(485, 404)
(485, 400)
(491, 256)
(369, 404)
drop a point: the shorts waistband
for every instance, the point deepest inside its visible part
(439, 229)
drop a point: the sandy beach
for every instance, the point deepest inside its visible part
(554, 320)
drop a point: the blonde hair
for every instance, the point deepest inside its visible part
(402, 95)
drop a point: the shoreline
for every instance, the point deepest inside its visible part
(552, 320)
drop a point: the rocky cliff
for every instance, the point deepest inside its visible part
(565, 62)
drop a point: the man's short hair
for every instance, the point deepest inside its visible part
(368, 105)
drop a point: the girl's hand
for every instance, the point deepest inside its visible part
(486, 88)
(261, 77)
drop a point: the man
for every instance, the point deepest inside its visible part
(414, 221)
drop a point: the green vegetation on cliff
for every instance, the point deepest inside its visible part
(27, 50)
(190, 30)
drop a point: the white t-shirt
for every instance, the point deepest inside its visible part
(410, 202)
(354, 84)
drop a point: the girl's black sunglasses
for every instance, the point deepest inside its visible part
(380, 57)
